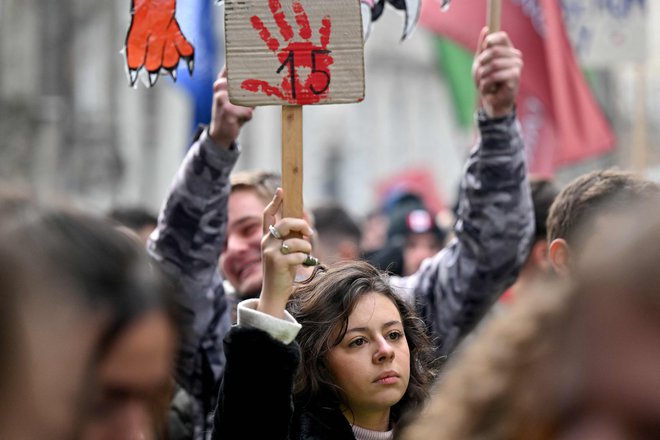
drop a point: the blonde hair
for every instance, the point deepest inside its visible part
(263, 183)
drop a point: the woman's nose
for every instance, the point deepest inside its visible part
(385, 351)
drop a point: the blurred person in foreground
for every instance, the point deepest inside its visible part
(136, 218)
(576, 359)
(97, 334)
(14, 406)
(209, 220)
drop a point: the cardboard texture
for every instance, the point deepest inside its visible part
(284, 52)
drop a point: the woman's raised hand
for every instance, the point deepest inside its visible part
(284, 247)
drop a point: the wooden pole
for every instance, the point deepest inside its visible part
(494, 15)
(292, 160)
(640, 124)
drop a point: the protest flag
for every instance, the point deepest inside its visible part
(196, 18)
(561, 121)
(456, 67)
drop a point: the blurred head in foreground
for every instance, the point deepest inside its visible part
(583, 203)
(582, 363)
(97, 337)
(136, 218)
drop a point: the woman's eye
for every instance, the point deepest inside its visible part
(357, 342)
(394, 335)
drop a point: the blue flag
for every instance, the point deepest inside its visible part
(196, 18)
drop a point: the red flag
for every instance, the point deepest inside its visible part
(561, 121)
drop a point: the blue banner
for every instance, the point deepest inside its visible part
(197, 21)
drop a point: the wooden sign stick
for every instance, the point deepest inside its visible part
(494, 15)
(292, 160)
(494, 18)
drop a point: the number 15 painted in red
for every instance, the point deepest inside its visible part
(307, 78)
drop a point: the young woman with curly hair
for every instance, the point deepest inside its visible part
(344, 360)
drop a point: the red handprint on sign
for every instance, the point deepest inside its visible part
(296, 56)
(154, 40)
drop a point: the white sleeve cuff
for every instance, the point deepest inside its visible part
(284, 330)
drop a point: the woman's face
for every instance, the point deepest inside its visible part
(371, 364)
(133, 380)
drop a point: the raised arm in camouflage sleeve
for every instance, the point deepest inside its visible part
(187, 243)
(495, 225)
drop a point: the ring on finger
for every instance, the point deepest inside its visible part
(274, 232)
(285, 249)
(310, 261)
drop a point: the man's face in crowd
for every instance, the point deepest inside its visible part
(241, 259)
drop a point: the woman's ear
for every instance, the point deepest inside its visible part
(559, 255)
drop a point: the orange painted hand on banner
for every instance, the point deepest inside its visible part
(297, 57)
(154, 41)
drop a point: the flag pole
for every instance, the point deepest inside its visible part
(494, 15)
(494, 18)
(639, 151)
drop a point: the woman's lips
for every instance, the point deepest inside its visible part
(387, 378)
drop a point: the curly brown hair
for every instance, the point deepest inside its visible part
(323, 304)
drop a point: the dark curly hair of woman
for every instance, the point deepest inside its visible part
(323, 304)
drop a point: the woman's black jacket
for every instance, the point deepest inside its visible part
(255, 400)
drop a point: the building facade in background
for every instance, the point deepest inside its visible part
(70, 125)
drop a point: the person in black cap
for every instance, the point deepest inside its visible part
(418, 236)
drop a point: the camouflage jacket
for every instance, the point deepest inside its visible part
(452, 290)
(187, 244)
(455, 288)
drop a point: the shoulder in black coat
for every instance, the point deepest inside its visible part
(256, 396)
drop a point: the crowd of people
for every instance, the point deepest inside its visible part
(534, 315)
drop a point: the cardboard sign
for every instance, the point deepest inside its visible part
(294, 52)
